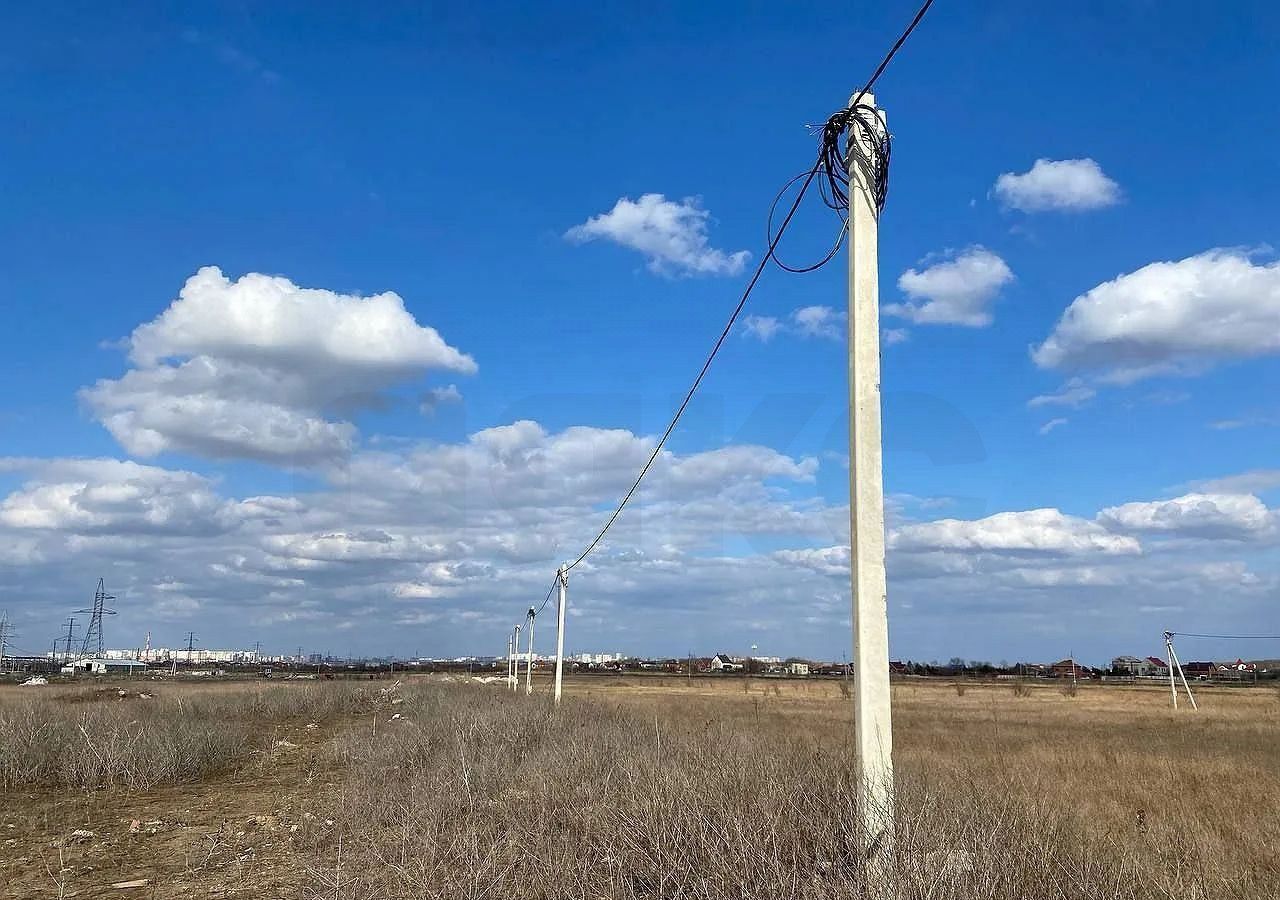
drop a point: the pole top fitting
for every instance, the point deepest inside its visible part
(868, 98)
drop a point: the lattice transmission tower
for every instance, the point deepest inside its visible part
(93, 636)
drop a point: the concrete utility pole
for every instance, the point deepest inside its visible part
(508, 660)
(1175, 665)
(872, 718)
(562, 585)
(528, 672)
(515, 661)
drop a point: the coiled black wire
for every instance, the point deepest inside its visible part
(853, 136)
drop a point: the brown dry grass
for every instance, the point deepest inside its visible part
(713, 790)
(129, 735)
(666, 788)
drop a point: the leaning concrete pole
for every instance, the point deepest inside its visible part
(874, 737)
(528, 672)
(562, 584)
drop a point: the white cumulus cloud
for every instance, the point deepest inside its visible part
(257, 368)
(270, 320)
(1063, 184)
(1030, 531)
(1170, 317)
(959, 290)
(1230, 516)
(671, 234)
(96, 496)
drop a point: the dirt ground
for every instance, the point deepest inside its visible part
(241, 835)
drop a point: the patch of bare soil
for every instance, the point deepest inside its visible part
(245, 834)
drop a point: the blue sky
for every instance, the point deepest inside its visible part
(448, 155)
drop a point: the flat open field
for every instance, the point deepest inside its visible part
(638, 787)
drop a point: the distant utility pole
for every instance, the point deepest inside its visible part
(257, 651)
(562, 585)
(191, 645)
(515, 661)
(872, 716)
(528, 672)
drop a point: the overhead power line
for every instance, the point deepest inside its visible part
(551, 590)
(830, 161)
(1227, 637)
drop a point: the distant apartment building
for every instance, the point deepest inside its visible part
(599, 659)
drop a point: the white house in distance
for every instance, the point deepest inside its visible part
(722, 663)
(1132, 665)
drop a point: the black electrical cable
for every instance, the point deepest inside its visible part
(550, 591)
(742, 301)
(832, 149)
(1227, 637)
(853, 136)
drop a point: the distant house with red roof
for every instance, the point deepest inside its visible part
(1068, 668)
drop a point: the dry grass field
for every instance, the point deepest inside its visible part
(645, 787)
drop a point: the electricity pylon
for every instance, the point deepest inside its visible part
(93, 636)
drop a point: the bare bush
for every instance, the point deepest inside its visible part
(74, 741)
(97, 746)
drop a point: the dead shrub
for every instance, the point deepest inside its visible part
(72, 741)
